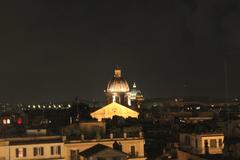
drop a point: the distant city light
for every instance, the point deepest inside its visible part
(8, 121)
(19, 121)
(4, 121)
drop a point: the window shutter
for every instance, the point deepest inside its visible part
(78, 157)
(24, 152)
(17, 152)
(52, 150)
(34, 151)
(59, 150)
(42, 151)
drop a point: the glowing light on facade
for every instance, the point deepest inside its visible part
(114, 109)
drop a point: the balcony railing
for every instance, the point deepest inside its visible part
(133, 155)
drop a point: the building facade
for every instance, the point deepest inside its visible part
(59, 148)
(132, 146)
(50, 147)
(195, 146)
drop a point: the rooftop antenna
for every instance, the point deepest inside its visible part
(226, 98)
(226, 79)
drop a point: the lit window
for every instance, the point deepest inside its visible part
(38, 151)
(4, 121)
(55, 150)
(21, 152)
(8, 121)
(220, 142)
(213, 143)
(133, 151)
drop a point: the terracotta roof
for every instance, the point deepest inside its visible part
(96, 149)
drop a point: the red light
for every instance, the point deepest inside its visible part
(19, 121)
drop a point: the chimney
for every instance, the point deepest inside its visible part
(111, 135)
(82, 136)
(125, 135)
(141, 134)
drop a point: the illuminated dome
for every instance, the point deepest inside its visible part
(134, 91)
(117, 83)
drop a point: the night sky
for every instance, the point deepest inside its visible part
(55, 50)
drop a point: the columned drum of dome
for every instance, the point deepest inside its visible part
(118, 89)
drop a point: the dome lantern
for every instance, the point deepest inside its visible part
(118, 72)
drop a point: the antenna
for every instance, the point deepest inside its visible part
(226, 97)
(226, 79)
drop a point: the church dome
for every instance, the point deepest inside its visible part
(117, 83)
